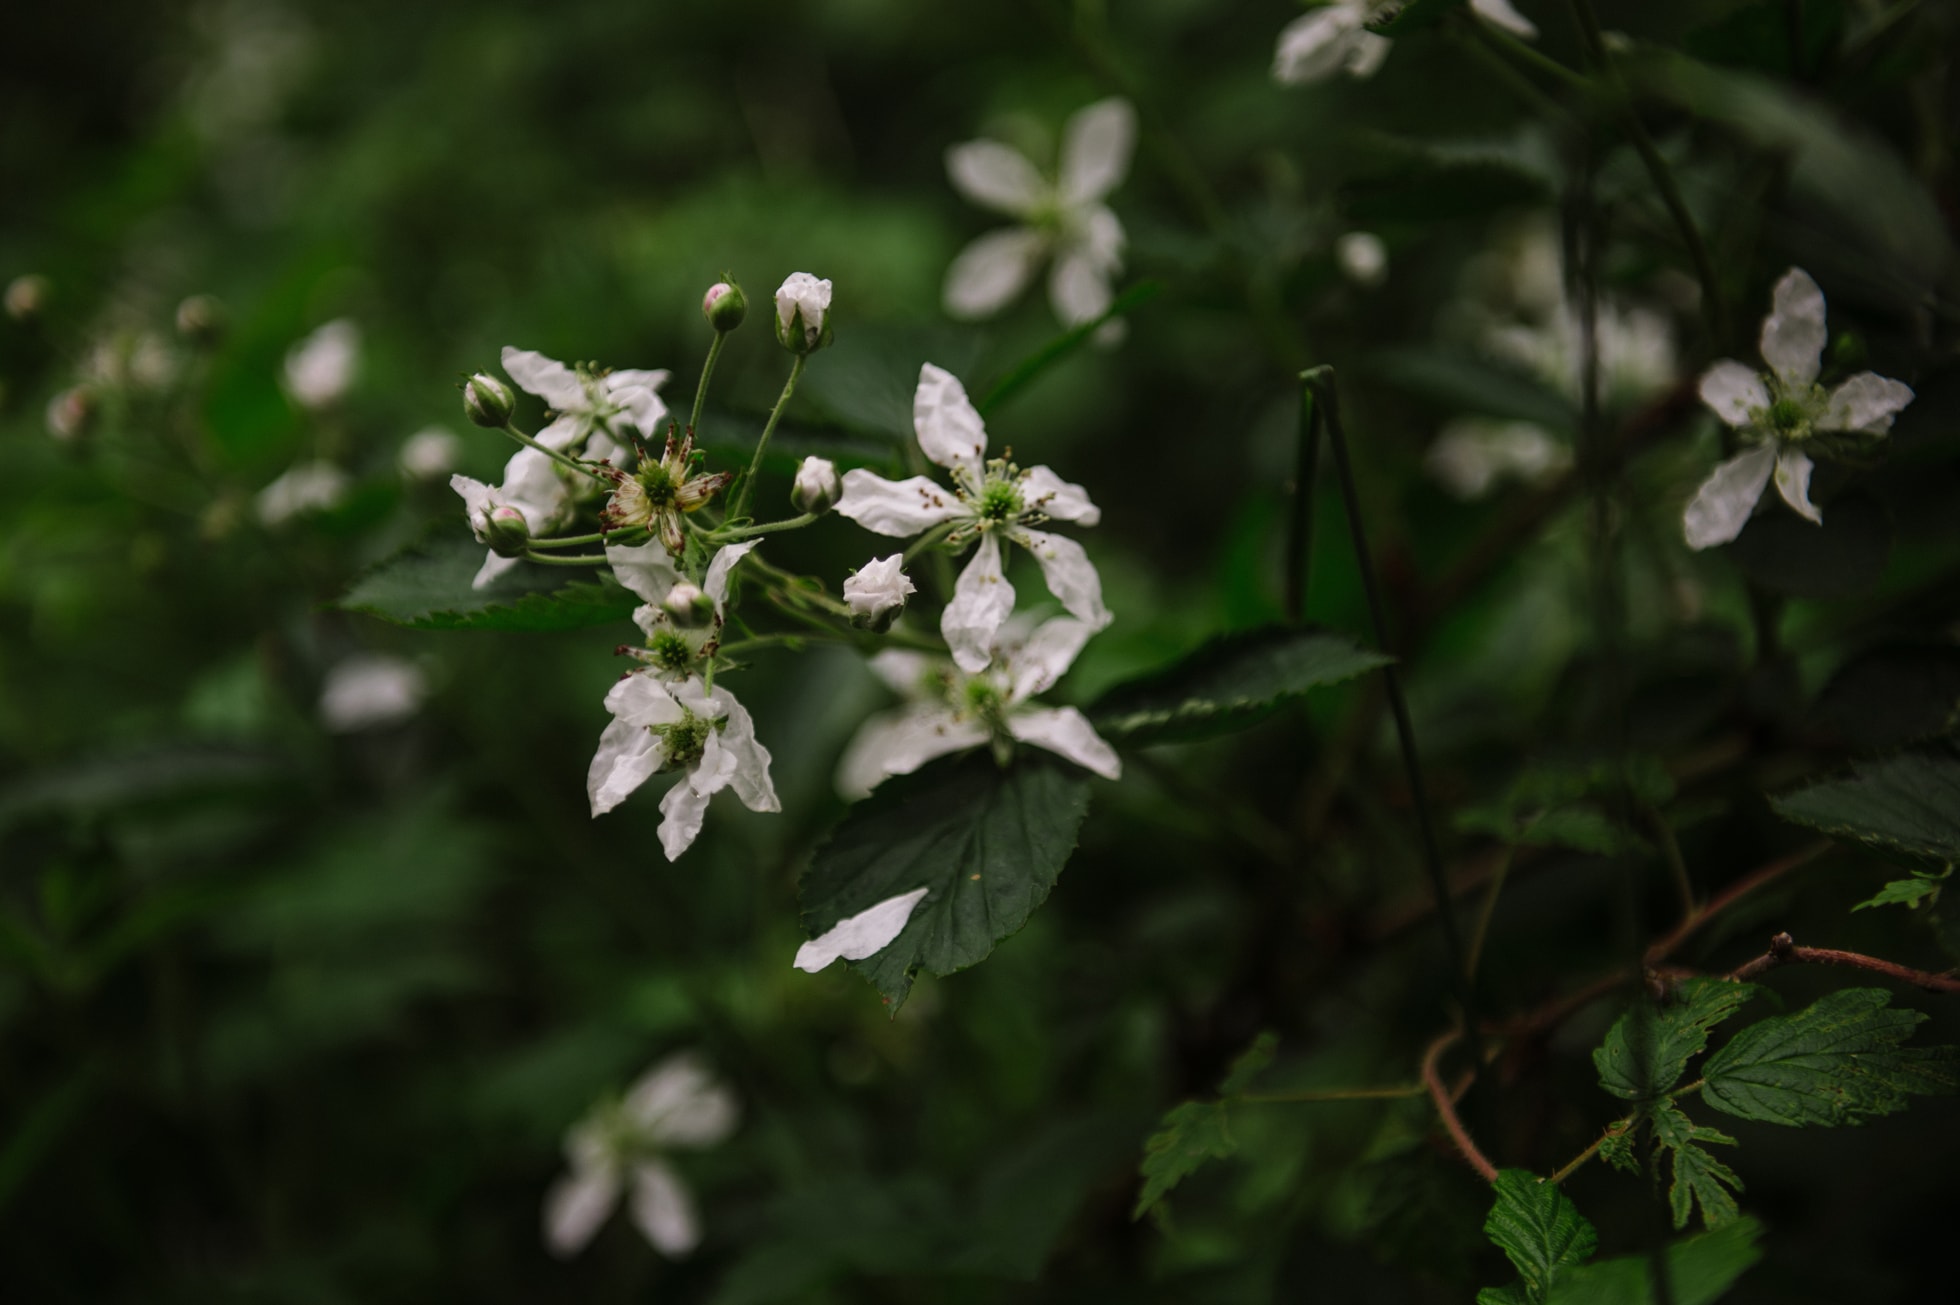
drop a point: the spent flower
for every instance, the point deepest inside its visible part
(655, 497)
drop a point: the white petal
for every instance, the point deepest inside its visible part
(368, 690)
(663, 1209)
(1066, 732)
(1316, 44)
(948, 425)
(554, 382)
(1366, 51)
(899, 742)
(981, 601)
(477, 498)
(896, 507)
(575, 1207)
(715, 585)
(1793, 333)
(1044, 491)
(641, 699)
(1034, 665)
(749, 773)
(1078, 288)
(992, 270)
(533, 486)
(627, 756)
(637, 391)
(1070, 575)
(646, 569)
(907, 673)
(684, 810)
(1793, 483)
(680, 1103)
(1096, 147)
(1733, 390)
(1867, 402)
(996, 176)
(1721, 507)
(493, 566)
(857, 936)
(1501, 14)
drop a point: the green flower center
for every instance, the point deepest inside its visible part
(659, 485)
(685, 740)
(671, 652)
(1000, 500)
(1787, 415)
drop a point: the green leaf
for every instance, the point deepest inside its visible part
(1648, 1047)
(1838, 1061)
(1843, 558)
(1698, 1177)
(1905, 892)
(987, 842)
(1539, 1229)
(1908, 803)
(1229, 684)
(1197, 1131)
(427, 586)
(1699, 1270)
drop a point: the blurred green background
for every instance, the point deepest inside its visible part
(291, 1013)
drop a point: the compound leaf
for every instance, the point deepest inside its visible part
(1698, 1177)
(1648, 1047)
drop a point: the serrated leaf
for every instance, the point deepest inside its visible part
(1538, 1229)
(1249, 1063)
(1837, 1061)
(1699, 1270)
(1908, 803)
(1229, 684)
(1189, 1135)
(427, 587)
(1904, 892)
(1617, 1150)
(1648, 1047)
(1698, 1178)
(987, 842)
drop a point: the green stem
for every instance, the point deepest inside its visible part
(1335, 1094)
(1491, 894)
(1499, 39)
(617, 538)
(741, 502)
(927, 540)
(701, 387)
(1677, 866)
(553, 454)
(765, 641)
(745, 532)
(1299, 532)
(1613, 1129)
(583, 559)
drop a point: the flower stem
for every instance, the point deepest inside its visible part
(927, 540)
(1334, 1094)
(583, 559)
(741, 502)
(553, 454)
(701, 387)
(617, 537)
(745, 532)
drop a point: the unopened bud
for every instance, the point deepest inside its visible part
(688, 606)
(506, 531)
(803, 313)
(876, 593)
(201, 320)
(71, 413)
(27, 297)
(724, 305)
(816, 488)
(488, 401)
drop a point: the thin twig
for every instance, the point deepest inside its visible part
(1614, 1129)
(1783, 950)
(1446, 1107)
(1299, 533)
(1395, 1092)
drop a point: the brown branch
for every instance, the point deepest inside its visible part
(1783, 950)
(1664, 946)
(1446, 1107)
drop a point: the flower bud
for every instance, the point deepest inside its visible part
(688, 606)
(724, 306)
(201, 320)
(71, 413)
(27, 297)
(488, 401)
(876, 593)
(816, 488)
(506, 531)
(803, 313)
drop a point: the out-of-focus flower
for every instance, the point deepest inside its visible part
(816, 488)
(1473, 455)
(321, 367)
(705, 734)
(27, 297)
(867, 933)
(948, 710)
(1065, 217)
(368, 690)
(1784, 415)
(676, 1105)
(803, 313)
(429, 453)
(71, 412)
(1335, 38)
(991, 500)
(876, 592)
(1362, 258)
(201, 320)
(307, 487)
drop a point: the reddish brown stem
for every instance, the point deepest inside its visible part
(1783, 950)
(1446, 1106)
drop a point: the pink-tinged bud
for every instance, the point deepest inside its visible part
(688, 606)
(488, 401)
(506, 531)
(725, 306)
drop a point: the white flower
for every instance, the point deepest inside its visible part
(673, 649)
(70, 412)
(949, 710)
(815, 488)
(1473, 454)
(591, 410)
(677, 1104)
(1362, 257)
(1065, 217)
(802, 312)
(307, 487)
(855, 937)
(877, 592)
(1335, 38)
(1780, 414)
(429, 453)
(990, 500)
(321, 367)
(533, 486)
(686, 727)
(368, 690)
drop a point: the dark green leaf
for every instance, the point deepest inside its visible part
(1540, 1230)
(987, 842)
(1228, 684)
(428, 587)
(1647, 1049)
(1699, 1270)
(1908, 803)
(1838, 1061)
(1904, 892)
(1197, 1131)
(1698, 1177)
(1843, 558)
